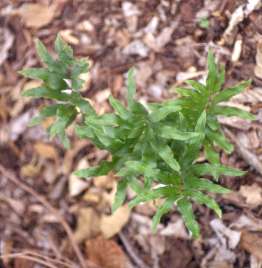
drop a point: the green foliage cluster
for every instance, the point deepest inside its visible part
(154, 148)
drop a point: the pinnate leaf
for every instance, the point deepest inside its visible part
(161, 210)
(232, 111)
(227, 93)
(185, 208)
(120, 194)
(207, 201)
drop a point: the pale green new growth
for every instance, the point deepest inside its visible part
(155, 149)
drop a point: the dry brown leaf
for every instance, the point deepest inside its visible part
(122, 38)
(219, 256)
(228, 238)
(252, 243)
(18, 125)
(29, 170)
(164, 37)
(106, 182)
(23, 263)
(76, 184)
(46, 151)
(36, 15)
(6, 42)
(105, 253)
(88, 223)
(50, 173)
(248, 223)
(252, 194)
(191, 73)
(235, 122)
(254, 139)
(237, 50)
(32, 84)
(238, 16)
(92, 197)
(136, 47)
(178, 254)
(144, 73)
(175, 229)
(112, 224)
(86, 77)
(253, 96)
(46, 123)
(86, 26)
(4, 109)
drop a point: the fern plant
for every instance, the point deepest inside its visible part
(154, 148)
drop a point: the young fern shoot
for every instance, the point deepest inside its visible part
(154, 149)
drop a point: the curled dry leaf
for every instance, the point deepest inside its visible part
(105, 253)
(190, 74)
(112, 224)
(237, 50)
(90, 223)
(32, 84)
(69, 37)
(86, 26)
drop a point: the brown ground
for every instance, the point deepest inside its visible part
(49, 218)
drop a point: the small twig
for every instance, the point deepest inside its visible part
(66, 263)
(54, 211)
(248, 156)
(22, 256)
(136, 259)
(36, 257)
